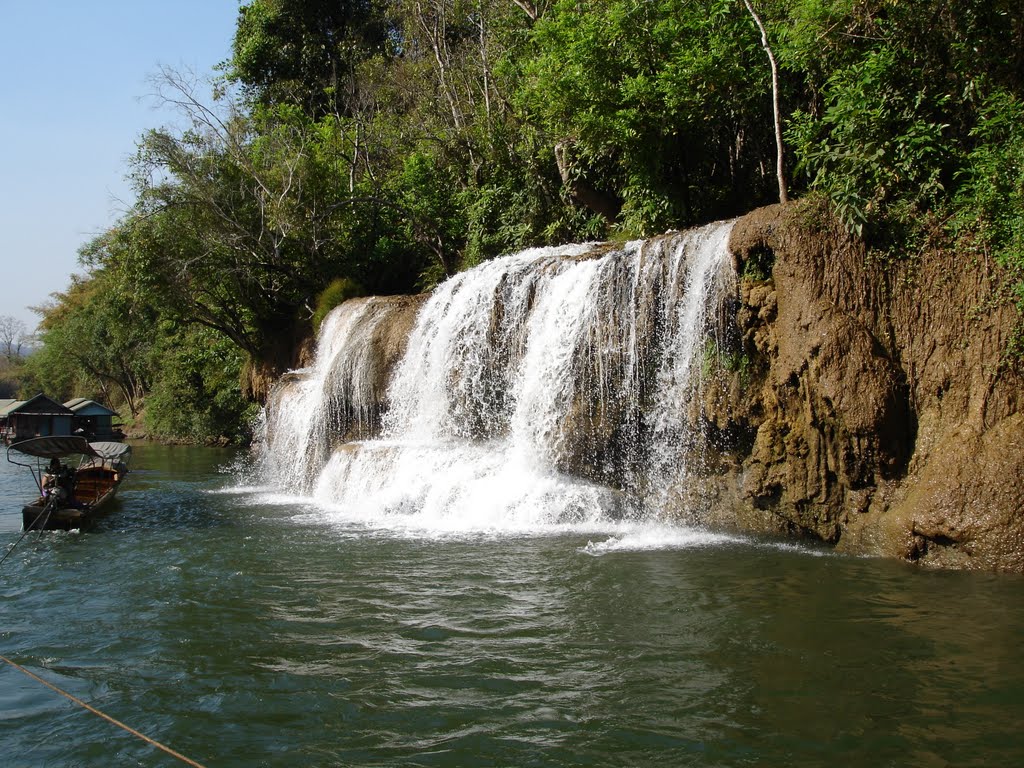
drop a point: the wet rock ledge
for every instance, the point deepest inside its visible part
(882, 417)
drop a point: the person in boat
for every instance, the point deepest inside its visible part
(51, 479)
(59, 480)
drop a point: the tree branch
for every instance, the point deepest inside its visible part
(528, 8)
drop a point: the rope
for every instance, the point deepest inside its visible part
(106, 717)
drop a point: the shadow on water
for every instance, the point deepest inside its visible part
(812, 660)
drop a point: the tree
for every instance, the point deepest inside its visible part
(13, 335)
(196, 392)
(96, 340)
(100, 340)
(230, 230)
(305, 52)
(776, 113)
(895, 93)
(657, 105)
(244, 217)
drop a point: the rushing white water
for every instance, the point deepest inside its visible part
(555, 386)
(335, 399)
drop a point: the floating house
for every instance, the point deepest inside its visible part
(4, 405)
(37, 417)
(92, 420)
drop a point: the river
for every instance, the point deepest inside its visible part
(247, 628)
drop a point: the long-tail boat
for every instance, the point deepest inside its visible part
(75, 478)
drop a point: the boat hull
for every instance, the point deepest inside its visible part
(94, 488)
(35, 517)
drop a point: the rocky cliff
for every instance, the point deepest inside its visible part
(824, 394)
(883, 416)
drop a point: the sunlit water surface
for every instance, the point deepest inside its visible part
(247, 629)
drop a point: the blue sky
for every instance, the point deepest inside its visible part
(73, 87)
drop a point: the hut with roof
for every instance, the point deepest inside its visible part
(4, 405)
(39, 416)
(92, 420)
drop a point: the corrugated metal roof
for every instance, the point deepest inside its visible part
(9, 405)
(40, 405)
(83, 407)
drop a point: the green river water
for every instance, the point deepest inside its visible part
(247, 629)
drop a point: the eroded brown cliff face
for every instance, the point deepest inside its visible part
(842, 399)
(883, 419)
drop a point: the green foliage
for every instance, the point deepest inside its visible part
(717, 359)
(196, 396)
(102, 341)
(242, 219)
(432, 218)
(305, 52)
(876, 144)
(96, 342)
(666, 104)
(892, 101)
(990, 202)
(11, 376)
(338, 292)
(388, 144)
(758, 265)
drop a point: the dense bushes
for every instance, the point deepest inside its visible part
(196, 394)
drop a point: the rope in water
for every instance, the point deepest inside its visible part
(106, 717)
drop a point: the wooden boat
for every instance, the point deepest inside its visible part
(70, 495)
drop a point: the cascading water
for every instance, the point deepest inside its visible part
(338, 398)
(557, 385)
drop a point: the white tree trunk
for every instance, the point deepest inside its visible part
(779, 170)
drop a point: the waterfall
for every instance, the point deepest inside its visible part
(553, 386)
(338, 398)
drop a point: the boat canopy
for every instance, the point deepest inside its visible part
(55, 446)
(112, 451)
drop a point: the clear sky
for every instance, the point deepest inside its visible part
(74, 79)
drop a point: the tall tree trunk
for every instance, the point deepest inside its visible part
(436, 33)
(485, 63)
(779, 170)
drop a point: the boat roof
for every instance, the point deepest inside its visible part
(59, 446)
(54, 446)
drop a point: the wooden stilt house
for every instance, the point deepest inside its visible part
(92, 420)
(39, 416)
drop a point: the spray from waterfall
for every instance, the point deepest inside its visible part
(553, 386)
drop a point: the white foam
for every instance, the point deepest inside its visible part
(504, 362)
(658, 537)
